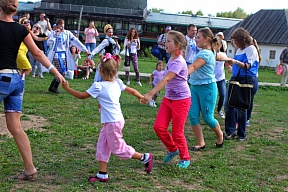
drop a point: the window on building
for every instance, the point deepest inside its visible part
(272, 54)
(125, 25)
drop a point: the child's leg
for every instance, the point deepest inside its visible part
(116, 142)
(180, 110)
(161, 124)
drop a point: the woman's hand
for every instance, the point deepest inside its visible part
(60, 78)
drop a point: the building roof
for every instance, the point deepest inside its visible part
(266, 26)
(185, 19)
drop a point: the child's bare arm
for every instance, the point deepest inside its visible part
(133, 92)
(77, 94)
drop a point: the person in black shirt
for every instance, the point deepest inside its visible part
(12, 81)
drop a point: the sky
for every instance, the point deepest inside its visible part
(216, 6)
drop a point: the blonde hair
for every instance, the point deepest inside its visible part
(109, 68)
(107, 27)
(179, 39)
(8, 6)
(21, 21)
(207, 33)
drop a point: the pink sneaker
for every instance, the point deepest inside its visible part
(97, 179)
(149, 164)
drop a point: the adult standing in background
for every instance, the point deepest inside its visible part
(220, 35)
(132, 44)
(27, 15)
(161, 44)
(245, 62)
(191, 49)
(45, 26)
(90, 33)
(60, 41)
(12, 82)
(284, 63)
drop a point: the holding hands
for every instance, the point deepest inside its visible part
(145, 99)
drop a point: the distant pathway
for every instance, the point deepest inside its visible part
(147, 75)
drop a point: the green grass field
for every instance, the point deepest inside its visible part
(64, 150)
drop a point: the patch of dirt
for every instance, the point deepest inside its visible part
(28, 122)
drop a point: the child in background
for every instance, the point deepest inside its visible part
(176, 102)
(76, 56)
(88, 66)
(157, 75)
(110, 139)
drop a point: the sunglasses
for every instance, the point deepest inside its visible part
(26, 22)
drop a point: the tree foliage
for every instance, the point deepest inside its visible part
(239, 13)
(156, 10)
(191, 13)
(199, 13)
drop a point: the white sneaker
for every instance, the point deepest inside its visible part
(128, 83)
(138, 83)
(221, 114)
(154, 104)
(151, 103)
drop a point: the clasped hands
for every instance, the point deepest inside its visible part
(145, 98)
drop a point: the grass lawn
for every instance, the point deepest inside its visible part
(64, 150)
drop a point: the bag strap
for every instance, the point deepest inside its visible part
(238, 74)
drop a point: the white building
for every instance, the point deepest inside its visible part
(270, 29)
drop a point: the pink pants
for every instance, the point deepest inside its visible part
(177, 110)
(111, 140)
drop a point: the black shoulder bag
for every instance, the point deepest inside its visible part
(239, 94)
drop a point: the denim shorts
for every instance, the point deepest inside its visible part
(11, 91)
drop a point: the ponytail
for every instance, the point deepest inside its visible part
(258, 50)
(213, 44)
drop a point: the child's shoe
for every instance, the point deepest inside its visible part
(183, 164)
(154, 104)
(99, 178)
(128, 83)
(170, 156)
(139, 83)
(151, 103)
(148, 162)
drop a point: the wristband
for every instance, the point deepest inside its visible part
(236, 63)
(50, 67)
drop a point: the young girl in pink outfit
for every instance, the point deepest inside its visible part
(176, 103)
(111, 140)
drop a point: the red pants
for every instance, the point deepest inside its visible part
(177, 111)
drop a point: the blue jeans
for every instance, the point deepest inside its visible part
(90, 47)
(231, 119)
(35, 63)
(11, 92)
(221, 85)
(163, 54)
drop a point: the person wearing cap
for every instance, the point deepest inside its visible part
(75, 33)
(108, 45)
(161, 44)
(220, 35)
(54, 27)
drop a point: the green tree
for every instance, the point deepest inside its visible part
(199, 13)
(187, 12)
(239, 13)
(156, 10)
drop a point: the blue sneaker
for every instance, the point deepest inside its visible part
(170, 156)
(247, 123)
(183, 164)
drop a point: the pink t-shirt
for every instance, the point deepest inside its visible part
(90, 35)
(177, 88)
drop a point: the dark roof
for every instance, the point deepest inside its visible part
(266, 26)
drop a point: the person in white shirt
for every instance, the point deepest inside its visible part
(46, 27)
(161, 44)
(60, 42)
(220, 35)
(132, 44)
(108, 45)
(191, 49)
(110, 139)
